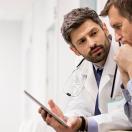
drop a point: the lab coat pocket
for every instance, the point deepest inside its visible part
(116, 103)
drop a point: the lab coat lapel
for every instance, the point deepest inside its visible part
(90, 84)
(107, 80)
(109, 70)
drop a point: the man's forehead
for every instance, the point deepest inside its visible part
(88, 24)
(114, 15)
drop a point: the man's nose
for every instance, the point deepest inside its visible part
(91, 42)
(118, 37)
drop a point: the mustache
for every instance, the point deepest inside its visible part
(95, 46)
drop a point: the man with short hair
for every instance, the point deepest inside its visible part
(87, 36)
(120, 17)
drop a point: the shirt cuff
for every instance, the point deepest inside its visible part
(128, 92)
(92, 125)
(129, 87)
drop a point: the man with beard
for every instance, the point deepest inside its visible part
(120, 16)
(87, 36)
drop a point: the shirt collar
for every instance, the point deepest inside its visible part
(97, 67)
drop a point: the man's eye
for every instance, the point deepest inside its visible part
(118, 26)
(82, 41)
(93, 33)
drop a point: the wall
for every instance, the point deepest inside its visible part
(60, 62)
(10, 67)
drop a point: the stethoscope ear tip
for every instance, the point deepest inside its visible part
(68, 94)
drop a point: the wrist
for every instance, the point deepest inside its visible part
(82, 126)
(130, 74)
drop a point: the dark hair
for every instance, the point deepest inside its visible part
(75, 18)
(124, 7)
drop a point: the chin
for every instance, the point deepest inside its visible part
(102, 59)
(97, 61)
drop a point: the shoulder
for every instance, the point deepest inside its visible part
(81, 62)
(84, 65)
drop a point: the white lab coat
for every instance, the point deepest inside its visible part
(84, 104)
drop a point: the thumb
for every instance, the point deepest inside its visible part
(55, 109)
(51, 104)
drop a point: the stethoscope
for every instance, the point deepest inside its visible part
(84, 77)
(75, 82)
(113, 85)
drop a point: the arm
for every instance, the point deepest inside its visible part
(102, 123)
(73, 123)
(115, 120)
(124, 60)
(128, 95)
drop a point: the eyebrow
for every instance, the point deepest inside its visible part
(89, 32)
(115, 25)
(93, 29)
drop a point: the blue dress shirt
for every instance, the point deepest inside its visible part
(128, 96)
(98, 74)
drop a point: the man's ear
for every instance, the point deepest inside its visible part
(74, 50)
(105, 29)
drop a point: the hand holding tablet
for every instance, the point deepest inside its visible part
(46, 109)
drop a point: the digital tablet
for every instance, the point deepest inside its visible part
(46, 109)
